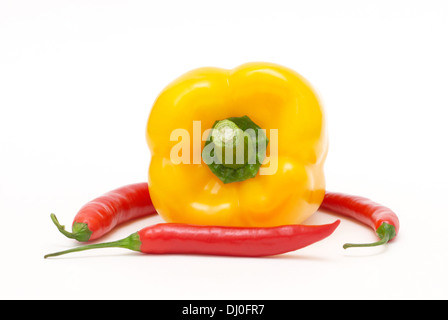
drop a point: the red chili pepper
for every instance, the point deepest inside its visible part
(172, 238)
(380, 218)
(102, 214)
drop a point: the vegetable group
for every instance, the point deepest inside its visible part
(237, 163)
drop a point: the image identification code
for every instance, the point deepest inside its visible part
(230, 309)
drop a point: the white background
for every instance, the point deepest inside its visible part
(77, 81)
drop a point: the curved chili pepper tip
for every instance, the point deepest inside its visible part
(380, 218)
(385, 232)
(81, 231)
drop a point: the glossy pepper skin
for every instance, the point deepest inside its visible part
(274, 97)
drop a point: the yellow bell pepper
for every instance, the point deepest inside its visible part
(289, 185)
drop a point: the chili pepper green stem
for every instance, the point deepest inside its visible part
(80, 232)
(61, 228)
(132, 243)
(385, 232)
